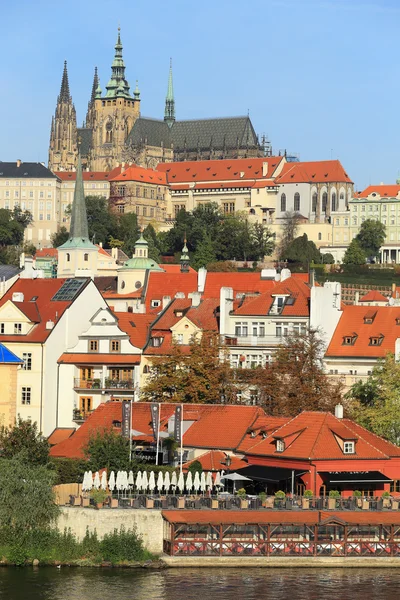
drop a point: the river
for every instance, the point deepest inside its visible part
(198, 584)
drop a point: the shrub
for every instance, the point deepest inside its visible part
(280, 494)
(68, 470)
(241, 493)
(262, 496)
(122, 545)
(385, 494)
(308, 494)
(357, 494)
(334, 494)
(98, 496)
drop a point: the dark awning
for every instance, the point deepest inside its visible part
(272, 474)
(356, 477)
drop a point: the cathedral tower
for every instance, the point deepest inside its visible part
(112, 116)
(169, 113)
(63, 136)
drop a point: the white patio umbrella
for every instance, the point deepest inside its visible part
(203, 483)
(103, 483)
(124, 481)
(111, 481)
(181, 483)
(160, 482)
(196, 482)
(189, 481)
(167, 482)
(84, 482)
(235, 477)
(96, 481)
(131, 481)
(145, 481)
(174, 480)
(217, 481)
(138, 482)
(152, 482)
(89, 482)
(209, 480)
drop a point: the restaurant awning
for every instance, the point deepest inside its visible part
(356, 477)
(271, 474)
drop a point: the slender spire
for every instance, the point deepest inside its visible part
(64, 91)
(169, 113)
(136, 93)
(94, 87)
(185, 259)
(79, 224)
(117, 72)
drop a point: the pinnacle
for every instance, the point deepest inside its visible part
(64, 91)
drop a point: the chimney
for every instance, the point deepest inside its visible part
(311, 278)
(18, 162)
(196, 298)
(201, 279)
(264, 169)
(339, 411)
(356, 298)
(17, 297)
(165, 301)
(49, 324)
(226, 306)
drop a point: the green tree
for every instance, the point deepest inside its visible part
(102, 221)
(328, 259)
(355, 254)
(150, 235)
(289, 230)
(60, 237)
(195, 467)
(303, 250)
(371, 237)
(377, 401)
(263, 241)
(12, 226)
(107, 449)
(205, 253)
(127, 231)
(24, 436)
(27, 499)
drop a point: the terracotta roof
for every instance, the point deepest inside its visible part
(241, 283)
(373, 296)
(262, 426)
(385, 326)
(310, 172)
(205, 314)
(46, 252)
(60, 434)
(239, 170)
(116, 296)
(292, 287)
(171, 268)
(213, 461)
(311, 436)
(71, 358)
(385, 191)
(140, 174)
(106, 283)
(162, 284)
(42, 309)
(89, 175)
(136, 326)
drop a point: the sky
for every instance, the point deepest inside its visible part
(319, 77)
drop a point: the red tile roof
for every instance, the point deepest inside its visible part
(214, 461)
(241, 283)
(172, 268)
(89, 175)
(60, 434)
(311, 436)
(136, 326)
(46, 252)
(351, 324)
(140, 174)
(310, 172)
(385, 191)
(162, 284)
(262, 426)
(70, 358)
(373, 296)
(292, 287)
(47, 309)
(239, 170)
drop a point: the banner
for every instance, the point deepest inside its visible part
(155, 418)
(178, 423)
(126, 419)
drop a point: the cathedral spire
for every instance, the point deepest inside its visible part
(94, 87)
(64, 91)
(117, 72)
(169, 113)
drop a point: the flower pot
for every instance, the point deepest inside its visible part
(305, 503)
(244, 504)
(214, 504)
(181, 502)
(99, 505)
(386, 502)
(365, 505)
(85, 502)
(149, 503)
(114, 503)
(331, 503)
(395, 505)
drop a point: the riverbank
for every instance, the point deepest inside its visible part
(273, 562)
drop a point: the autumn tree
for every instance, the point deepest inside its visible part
(197, 374)
(289, 230)
(295, 380)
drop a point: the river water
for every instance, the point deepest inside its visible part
(198, 584)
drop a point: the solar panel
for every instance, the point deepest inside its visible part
(69, 290)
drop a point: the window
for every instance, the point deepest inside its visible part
(349, 340)
(86, 257)
(314, 202)
(283, 203)
(348, 448)
(178, 337)
(241, 329)
(333, 203)
(324, 201)
(228, 207)
(2, 327)
(376, 341)
(68, 257)
(85, 405)
(114, 346)
(93, 345)
(346, 221)
(258, 329)
(27, 358)
(254, 360)
(156, 342)
(26, 395)
(297, 202)
(17, 328)
(280, 445)
(319, 236)
(121, 190)
(155, 303)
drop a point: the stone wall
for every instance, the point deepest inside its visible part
(149, 523)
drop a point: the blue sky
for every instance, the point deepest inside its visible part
(320, 77)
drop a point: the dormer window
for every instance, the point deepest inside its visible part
(349, 448)
(349, 340)
(17, 328)
(376, 341)
(156, 342)
(155, 303)
(280, 445)
(398, 321)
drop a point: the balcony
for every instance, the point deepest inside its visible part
(88, 384)
(254, 340)
(107, 384)
(80, 416)
(118, 384)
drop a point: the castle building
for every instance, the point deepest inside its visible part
(114, 131)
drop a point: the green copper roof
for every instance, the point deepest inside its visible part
(136, 93)
(142, 264)
(185, 253)
(118, 85)
(169, 113)
(78, 233)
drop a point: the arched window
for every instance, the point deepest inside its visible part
(283, 203)
(319, 236)
(314, 202)
(334, 207)
(297, 202)
(324, 201)
(86, 257)
(68, 257)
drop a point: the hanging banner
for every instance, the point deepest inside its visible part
(126, 419)
(178, 423)
(155, 418)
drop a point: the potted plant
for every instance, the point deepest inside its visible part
(263, 498)
(279, 498)
(96, 383)
(305, 502)
(244, 503)
(98, 497)
(357, 496)
(332, 500)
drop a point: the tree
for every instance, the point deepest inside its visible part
(27, 500)
(12, 226)
(109, 450)
(371, 236)
(60, 237)
(205, 253)
(150, 235)
(200, 376)
(328, 259)
(354, 255)
(376, 402)
(263, 241)
(303, 250)
(102, 221)
(171, 445)
(289, 229)
(24, 436)
(127, 231)
(295, 380)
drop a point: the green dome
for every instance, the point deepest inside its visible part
(141, 263)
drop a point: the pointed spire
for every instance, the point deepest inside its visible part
(169, 113)
(64, 91)
(185, 258)
(136, 93)
(79, 224)
(117, 72)
(94, 87)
